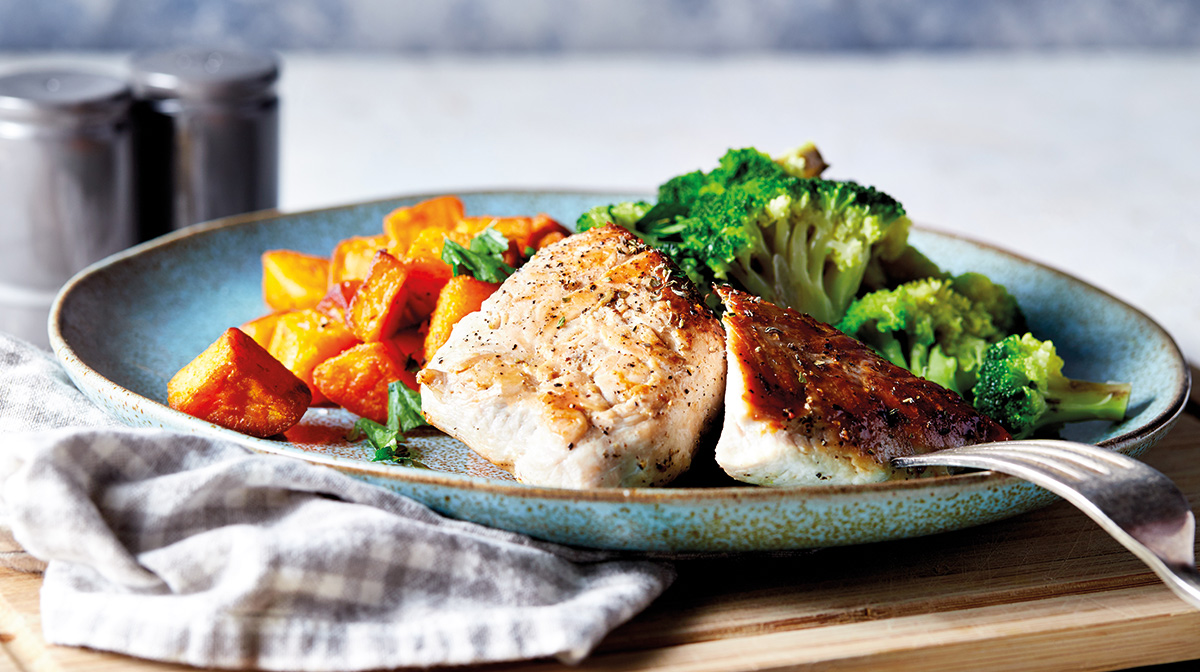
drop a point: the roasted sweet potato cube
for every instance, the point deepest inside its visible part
(337, 300)
(410, 343)
(521, 232)
(461, 296)
(428, 272)
(473, 225)
(546, 231)
(261, 328)
(357, 379)
(426, 278)
(305, 338)
(403, 225)
(381, 307)
(428, 244)
(515, 229)
(352, 257)
(549, 239)
(293, 280)
(236, 383)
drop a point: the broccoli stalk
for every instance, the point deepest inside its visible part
(1021, 386)
(802, 242)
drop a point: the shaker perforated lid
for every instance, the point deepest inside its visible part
(50, 95)
(196, 73)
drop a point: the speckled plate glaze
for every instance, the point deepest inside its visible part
(124, 326)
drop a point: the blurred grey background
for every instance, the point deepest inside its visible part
(603, 26)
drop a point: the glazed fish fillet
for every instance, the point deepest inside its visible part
(591, 366)
(807, 405)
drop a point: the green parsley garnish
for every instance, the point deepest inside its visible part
(482, 259)
(404, 415)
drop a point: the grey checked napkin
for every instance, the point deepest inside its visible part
(181, 548)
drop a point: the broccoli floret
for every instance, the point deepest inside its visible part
(927, 327)
(804, 243)
(684, 189)
(801, 242)
(811, 243)
(1002, 306)
(1022, 387)
(625, 214)
(887, 272)
(739, 166)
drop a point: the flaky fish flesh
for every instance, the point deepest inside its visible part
(593, 365)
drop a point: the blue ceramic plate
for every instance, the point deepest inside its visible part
(124, 326)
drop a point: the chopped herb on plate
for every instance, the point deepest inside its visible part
(404, 415)
(482, 259)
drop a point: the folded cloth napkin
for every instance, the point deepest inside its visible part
(187, 549)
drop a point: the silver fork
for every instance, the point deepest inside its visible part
(1135, 503)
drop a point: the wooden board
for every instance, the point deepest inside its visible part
(1044, 591)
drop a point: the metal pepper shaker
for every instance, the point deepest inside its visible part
(66, 186)
(206, 132)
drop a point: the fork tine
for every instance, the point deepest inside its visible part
(1091, 452)
(998, 457)
(1061, 466)
(1062, 458)
(1093, 457)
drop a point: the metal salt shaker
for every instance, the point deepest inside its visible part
(207, 135)
(66, 186)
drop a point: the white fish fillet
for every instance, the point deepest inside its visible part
(806, 404)
(592, 366)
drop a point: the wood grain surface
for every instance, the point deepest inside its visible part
(1044, 591)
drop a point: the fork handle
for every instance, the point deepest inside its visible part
(1183, 580)
(1181, 577)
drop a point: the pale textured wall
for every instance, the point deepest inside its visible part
(540, 26)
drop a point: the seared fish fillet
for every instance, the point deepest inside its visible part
(806, 404)
(592, 366)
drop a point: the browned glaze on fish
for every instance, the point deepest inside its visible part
(827, 399)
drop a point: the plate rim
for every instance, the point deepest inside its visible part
(66, 354)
